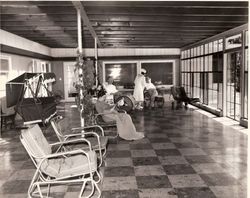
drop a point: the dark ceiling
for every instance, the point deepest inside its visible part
(133, 24)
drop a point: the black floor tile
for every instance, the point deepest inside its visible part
(158, 140)
(219, 179)
(186, 145)
(167, 152)
(179, 169)
(141, 161)
(119, 171)
(119, 154)
(120, 194)
(203, 192)
(192, 159)
(159, 181)
(140, 146)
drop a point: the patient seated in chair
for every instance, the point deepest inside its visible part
(125, 126)
(110, 90)
(151, 91)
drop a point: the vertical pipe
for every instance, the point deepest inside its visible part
(96, 69)
(224, 92)
(242, 77)
(248, 115)
(79, 30)
(79, 33)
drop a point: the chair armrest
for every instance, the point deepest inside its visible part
(88, 127)
(84, 134)
(60, 144)
(72, 152)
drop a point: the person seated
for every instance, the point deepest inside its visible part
(125, 126)
(151, 89)
(110, 90)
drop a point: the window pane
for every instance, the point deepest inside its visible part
(160, 72)
(220, 96)
(215, 46)
(4, 65)
(202, 49)
(123, 73)
(220, 44)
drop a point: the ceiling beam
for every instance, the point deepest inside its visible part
(73, 24)
(131, 4)
(98, 29)
(127, 11)
(168, 4)
(128, 19)
(78, 5)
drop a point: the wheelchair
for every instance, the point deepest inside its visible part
(158, 100)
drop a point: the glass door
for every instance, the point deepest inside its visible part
(233, 85)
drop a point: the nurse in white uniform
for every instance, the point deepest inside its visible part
(140, 83)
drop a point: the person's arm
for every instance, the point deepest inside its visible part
(143, 82)
(109, 108)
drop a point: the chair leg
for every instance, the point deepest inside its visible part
(99, 175)
(104, 152)
(39, 190)
(93, 187)
(172, 105)
(82, 189)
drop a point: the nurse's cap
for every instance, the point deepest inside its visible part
(143, 71)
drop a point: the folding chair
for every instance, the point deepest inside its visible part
(68, 167)
(63, 132)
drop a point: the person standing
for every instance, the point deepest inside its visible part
(140, 84)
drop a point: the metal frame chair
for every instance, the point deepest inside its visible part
(7, 115)
(98, 141)
(110, 128)
(67, 167)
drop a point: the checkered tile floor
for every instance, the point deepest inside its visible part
(184, 155)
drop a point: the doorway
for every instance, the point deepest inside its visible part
(234, 65)
(69, 79)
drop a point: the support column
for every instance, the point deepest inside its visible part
(242, 79)
(79, 30)
(79, 33)
(224, 82)
(96, 66)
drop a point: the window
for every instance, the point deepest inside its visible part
(220, 43)
(206, 48)
(210, 47)
(233, 41)
(246, 40)
(5, 68)
(123, 73)
(161, 72)
(245, 113)
(215, 46)
(202, 50)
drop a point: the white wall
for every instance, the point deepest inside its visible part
(12, 40)
(20, 64)
(89, 52)
(9, 39)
